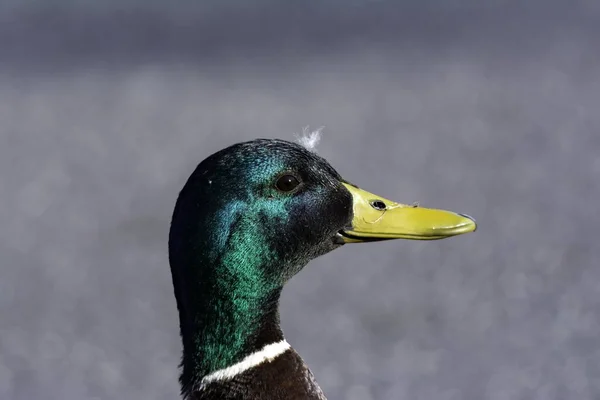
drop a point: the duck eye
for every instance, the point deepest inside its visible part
(378, 205)
(287, 183)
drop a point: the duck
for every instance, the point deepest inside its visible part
(247, 220)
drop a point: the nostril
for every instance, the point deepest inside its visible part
(378, 205)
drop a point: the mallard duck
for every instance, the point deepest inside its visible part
(249, 218)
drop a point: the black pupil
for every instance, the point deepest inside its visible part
(378, 205)
(287, 183)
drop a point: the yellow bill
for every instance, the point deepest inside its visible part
(376, 218)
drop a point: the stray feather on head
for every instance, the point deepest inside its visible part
(309, 139)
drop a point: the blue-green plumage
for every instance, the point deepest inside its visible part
(236, 239)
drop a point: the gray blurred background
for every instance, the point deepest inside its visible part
(483, 107)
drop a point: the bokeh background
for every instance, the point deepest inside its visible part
(485, 107)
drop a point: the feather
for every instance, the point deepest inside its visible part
(309, 139)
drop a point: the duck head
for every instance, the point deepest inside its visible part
(276, 204)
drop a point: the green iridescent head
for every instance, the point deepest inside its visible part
(263, 208)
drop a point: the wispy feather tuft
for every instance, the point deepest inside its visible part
(309, 139)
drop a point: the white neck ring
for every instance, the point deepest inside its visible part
(266, 354)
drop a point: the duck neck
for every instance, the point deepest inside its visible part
(224, 318)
